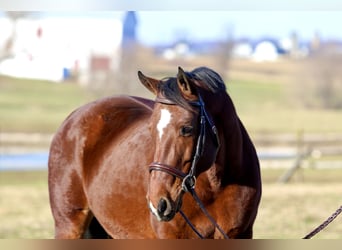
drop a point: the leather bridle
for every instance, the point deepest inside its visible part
(189, 179)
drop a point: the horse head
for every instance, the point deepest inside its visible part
(185, 137)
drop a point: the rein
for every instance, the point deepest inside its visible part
(324, 224)
(189, 180)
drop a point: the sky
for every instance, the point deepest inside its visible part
(165, 21)
(165, 26)
(215, 5)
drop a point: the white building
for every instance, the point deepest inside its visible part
(51, 47)
(242, 50)
(265, 51)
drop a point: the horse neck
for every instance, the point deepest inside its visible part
(229, 158)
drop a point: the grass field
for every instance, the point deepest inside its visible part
(287, 211)
(40, 106)
(37, 106)
(268, 107)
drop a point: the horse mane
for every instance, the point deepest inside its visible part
(212, 80)
(209, 80)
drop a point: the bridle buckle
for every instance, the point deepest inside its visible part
(189, 183)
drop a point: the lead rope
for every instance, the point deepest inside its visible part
(324, 224)
(205, 211)
(190, 224)
(189, 186)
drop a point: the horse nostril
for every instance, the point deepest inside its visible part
(162, 206)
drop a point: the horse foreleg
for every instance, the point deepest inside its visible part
(73, 224)
(69, 204)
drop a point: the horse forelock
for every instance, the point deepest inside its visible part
(206, 79)
(169, 89)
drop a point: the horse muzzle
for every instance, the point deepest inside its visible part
(165, 209)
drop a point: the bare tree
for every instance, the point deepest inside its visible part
(319, 83)
(224, 53)
(14, 17)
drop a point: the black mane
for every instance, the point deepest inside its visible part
(211, 80)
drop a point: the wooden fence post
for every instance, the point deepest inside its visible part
(302, 153)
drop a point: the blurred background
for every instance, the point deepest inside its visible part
(282, 70)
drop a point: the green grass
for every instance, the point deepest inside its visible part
(251, 95)
(41, 106)
(37, 106)
(269, 107)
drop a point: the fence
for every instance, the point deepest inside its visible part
(294, 151)
(288, 151)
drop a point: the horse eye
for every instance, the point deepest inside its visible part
(186, 131)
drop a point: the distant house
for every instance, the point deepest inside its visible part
(242, 49)
(272, 49)
(265, 50)
(180, 49)
(52, 47)
(186, 49)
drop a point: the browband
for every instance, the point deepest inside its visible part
(169, 102)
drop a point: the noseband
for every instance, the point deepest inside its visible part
(189, 180)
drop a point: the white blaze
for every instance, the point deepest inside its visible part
(165, 117)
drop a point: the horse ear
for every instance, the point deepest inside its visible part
(185, 85)
(150, 83)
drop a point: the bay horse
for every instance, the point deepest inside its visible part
(181, 166)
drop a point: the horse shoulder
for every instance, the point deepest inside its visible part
(91, 126)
